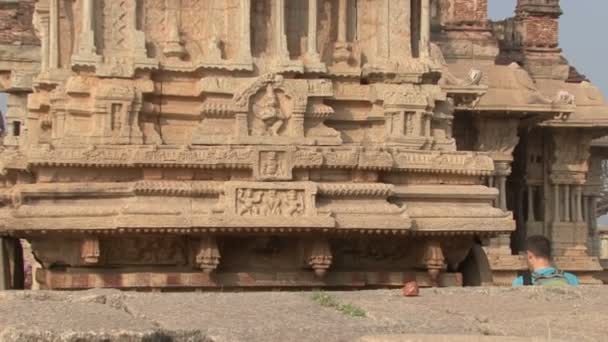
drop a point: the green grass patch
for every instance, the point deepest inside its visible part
(330, 301)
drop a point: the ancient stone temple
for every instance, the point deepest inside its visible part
(193, 144)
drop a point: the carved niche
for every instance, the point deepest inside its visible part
(117, 115)
(267, 110)
(271, 113)
(274, 164)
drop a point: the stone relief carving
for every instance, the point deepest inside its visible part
(269, 116)
(273, 165)
(288, 203)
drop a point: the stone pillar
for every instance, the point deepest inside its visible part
(567, 201)
(592, 222)
(556, 210)
(342, 20)
(5, 267)
(297, 122)
(44, 43)
(313, 54)
(54, 35)
(425, 28)
(173, 47)
(382, 51)
(245, 30)
(87, 51)
(279, 30)
(428, 116)
(502, 184)
(578, 217)
(341, 54)
(531, 216)
(313, 58)
(87, 36)
(592, 212)
(503, 169)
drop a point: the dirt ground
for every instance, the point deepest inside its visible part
(571, 314)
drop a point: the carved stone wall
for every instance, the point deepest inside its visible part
(249, 137)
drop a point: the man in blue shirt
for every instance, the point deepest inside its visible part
(538, 252)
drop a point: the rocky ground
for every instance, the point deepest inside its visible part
(571, 314)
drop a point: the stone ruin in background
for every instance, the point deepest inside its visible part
(254, 143)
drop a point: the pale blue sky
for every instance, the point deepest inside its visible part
(583, 36)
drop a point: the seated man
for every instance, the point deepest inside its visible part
(538, 252)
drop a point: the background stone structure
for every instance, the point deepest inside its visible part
(200, 144)
(16, 22)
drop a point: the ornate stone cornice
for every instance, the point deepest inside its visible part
(244, 157)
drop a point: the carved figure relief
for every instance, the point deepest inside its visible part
(270, 165)
(288, 203)
(269, 117)
(248, 202)
(273, 165)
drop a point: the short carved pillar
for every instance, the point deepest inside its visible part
(502, 187)
(297, 122)
(434, 261)
(319, 257)
(208, 254)
(89, 250)
(427, 118)
(503, 169)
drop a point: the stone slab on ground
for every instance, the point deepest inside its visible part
(535, 314)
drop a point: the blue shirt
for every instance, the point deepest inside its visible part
(570, 278)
